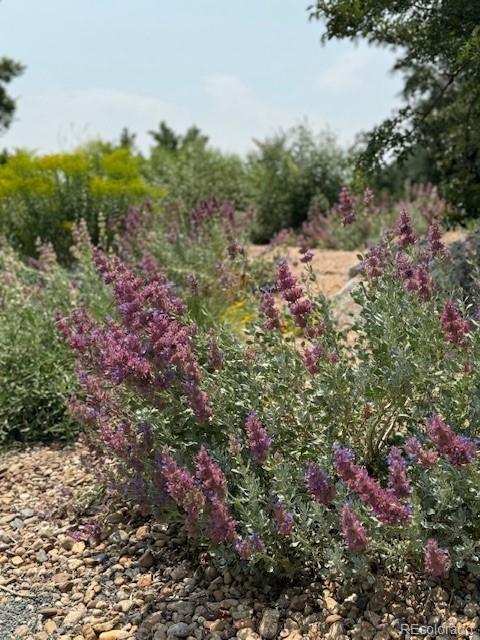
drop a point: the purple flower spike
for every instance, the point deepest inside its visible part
(426, 458)
(398, 479)
(210, 475)
(258, 439)
(319, 485)
(270, 312)
(353, 531)
(458, 450)
(454, 327)
(221, 526)
(436, 246)
(437, 561)
(346, 205)
(383, 502)
(283, 518)
(311, 359)
(404, 230)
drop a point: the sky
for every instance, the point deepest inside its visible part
(238, 69)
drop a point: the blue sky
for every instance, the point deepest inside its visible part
(238, 69)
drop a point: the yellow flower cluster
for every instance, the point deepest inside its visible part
(112, 174)
(237, 315)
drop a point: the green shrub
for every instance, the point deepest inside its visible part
(36, 369)
(290, 173)
(196, 172)
(41, 197)
(203, 251)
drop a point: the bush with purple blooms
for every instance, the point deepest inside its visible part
(358, 219)
(295, 445)
(203, 251)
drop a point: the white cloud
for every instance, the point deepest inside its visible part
(64, 119)
(228, 110)
(348, 73)
(236, 114)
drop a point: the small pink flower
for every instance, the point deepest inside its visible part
(404, 230)
(437, 561)
(332, 357)
(307, 256)
(283, 518)
(258, 439)
(353, 531)
(454, 327)
(368, 197)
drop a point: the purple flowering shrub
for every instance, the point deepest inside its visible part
(202, 250)
(416, 346)
(359, 219)
(294, 445)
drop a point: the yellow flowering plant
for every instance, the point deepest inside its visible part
(42, 196)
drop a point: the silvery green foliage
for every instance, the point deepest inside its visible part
(280, 399)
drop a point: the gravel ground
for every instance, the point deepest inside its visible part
(140, 581)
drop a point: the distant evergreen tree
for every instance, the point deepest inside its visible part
(194, 136)
(9, 69)
(127, 138)
(165, 137)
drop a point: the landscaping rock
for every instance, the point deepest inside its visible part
(268, 627)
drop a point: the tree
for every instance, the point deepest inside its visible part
(165, 137)
(438, 47)
(127, 139)
(9, 69)
(194, 136)
(290, 172)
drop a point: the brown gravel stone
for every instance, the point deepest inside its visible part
(50, 627)
(147, 560)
